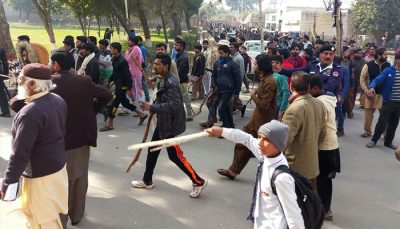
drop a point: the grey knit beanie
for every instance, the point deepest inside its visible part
(276, 132)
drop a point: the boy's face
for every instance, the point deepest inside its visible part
(266, 148)
(276, 66)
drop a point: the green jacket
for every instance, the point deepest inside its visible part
(283, 93)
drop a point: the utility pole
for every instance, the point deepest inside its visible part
(261, 25)
(338, 24)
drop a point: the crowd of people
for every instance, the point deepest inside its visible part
(51, 147)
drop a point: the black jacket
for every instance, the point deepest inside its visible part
(182, 63)
(171, 119)
(3, 62)
(121, 75)
(93, 71)
(199, 63)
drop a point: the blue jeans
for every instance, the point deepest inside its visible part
(3, 98)
(225, 109)
(339, 116)
(145, 90)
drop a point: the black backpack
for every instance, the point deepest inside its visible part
(309, 202)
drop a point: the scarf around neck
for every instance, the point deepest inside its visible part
(82, 70)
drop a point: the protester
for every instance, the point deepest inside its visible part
(81, 127)
(265, 99)
(197, 73)
(283, 92)
(5, 111)
(90, 65)
(171, 122)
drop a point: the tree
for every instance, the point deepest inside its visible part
(44, 9)
(241, 5)
(5, 37)
(191, 7)
(23, 6)
(328, 4)
(120, 14)
(377, 17)
(83, 10)
(143, 19)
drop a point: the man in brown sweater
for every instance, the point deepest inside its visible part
(84, 99)
(265, 99)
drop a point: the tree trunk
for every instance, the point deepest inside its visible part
(177, 23)
(187, 20)
(5, 37)
(120, 16)
(20, 16)
(88, 27)
(164, 27)
(98, 19)
(82, 23)
(27, 16)
(45, 17)
(143, 20)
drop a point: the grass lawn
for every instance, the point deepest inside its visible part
(38, 34)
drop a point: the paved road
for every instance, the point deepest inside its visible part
(366, 193)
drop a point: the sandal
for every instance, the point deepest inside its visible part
(366, 135)
(105, 128)
(226, 173)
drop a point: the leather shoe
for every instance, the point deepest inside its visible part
(393, 147)
(371, 144)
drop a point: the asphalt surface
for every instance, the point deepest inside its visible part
(365, 195)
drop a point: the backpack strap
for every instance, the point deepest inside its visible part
(280, 169)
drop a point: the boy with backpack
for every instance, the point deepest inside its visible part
(267, 210)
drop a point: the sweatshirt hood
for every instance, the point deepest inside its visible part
(332, 100)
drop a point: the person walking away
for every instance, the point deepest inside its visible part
(171, 122)
(328, 155)
(83, 102)
(38, 151)
(302, 145)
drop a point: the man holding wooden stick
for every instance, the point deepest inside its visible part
(171, 122)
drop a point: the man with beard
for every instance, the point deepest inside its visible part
(90, 65)
(265, 99)
(69, 44)
(182, 63)
(38, 151)
(356, 65)
(80, 41)
(372, 101)
(83, 102)
(296, 60)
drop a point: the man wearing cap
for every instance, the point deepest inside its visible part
(90, 65)
(38, 150)
(83, 102)
(325, 68)
(389, 83)
(306, 129)
(266, 208)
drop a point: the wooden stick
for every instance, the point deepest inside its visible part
(168, 142)
(146, 133)
(201, 105)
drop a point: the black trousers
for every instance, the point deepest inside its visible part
(225, 110)
(119, 98)
(329, 164)
(3, 98)
(175, 154)
(389, 117)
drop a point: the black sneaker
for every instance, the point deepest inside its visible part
(5, 115)
(340, 132)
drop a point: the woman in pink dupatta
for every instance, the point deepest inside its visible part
(134, 57)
